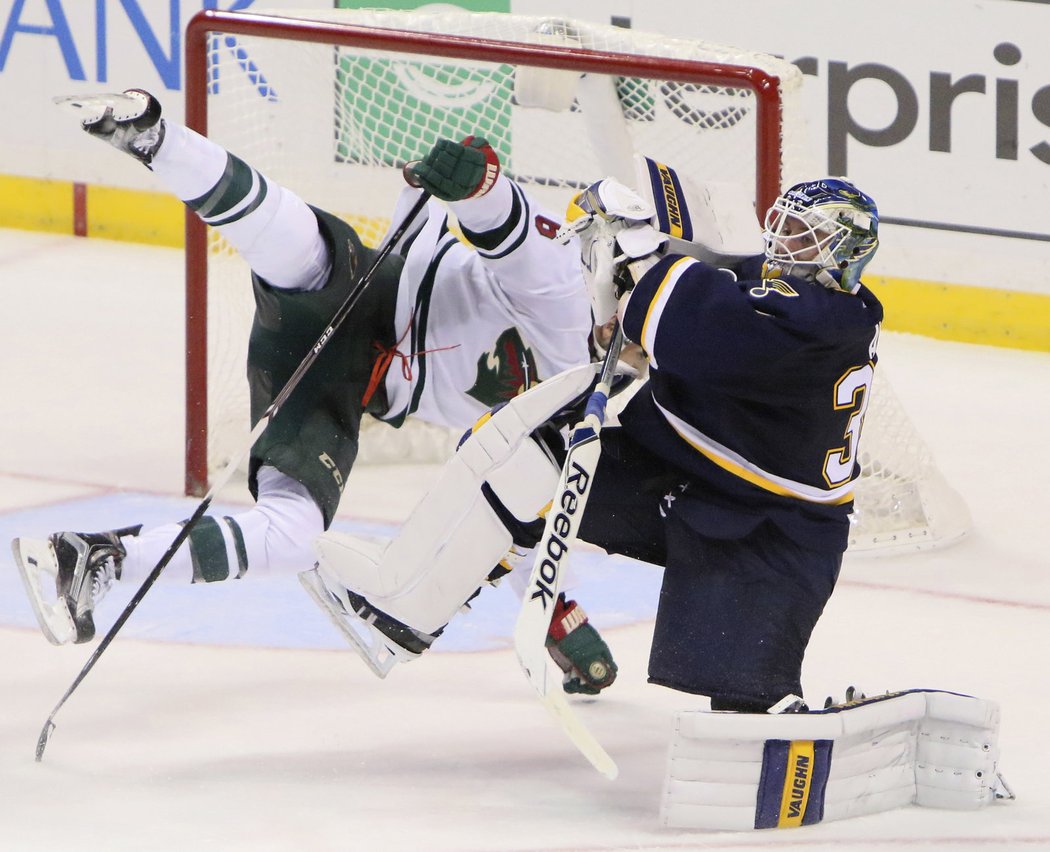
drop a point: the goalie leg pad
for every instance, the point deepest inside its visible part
(454, 537)
(736, 771)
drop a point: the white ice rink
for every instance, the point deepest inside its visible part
(229, 717)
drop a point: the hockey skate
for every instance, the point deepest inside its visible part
(129, 121)
(80, 567)
(381, 641)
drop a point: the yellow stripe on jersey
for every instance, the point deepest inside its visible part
(741, 467)
(657, 305)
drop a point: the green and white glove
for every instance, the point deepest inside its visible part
(579, 650)
(454, 171)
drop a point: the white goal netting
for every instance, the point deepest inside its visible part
(333, 111)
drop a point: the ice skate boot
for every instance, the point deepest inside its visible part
(129, 121)
(380, 640)
(81, 566)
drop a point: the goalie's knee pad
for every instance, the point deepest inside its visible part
(490, 496)
(518, 490)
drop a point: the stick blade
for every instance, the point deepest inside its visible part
(42, 741)
(586, 743)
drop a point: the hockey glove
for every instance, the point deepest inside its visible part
(579, 650)
(612, 224)
(454, 171)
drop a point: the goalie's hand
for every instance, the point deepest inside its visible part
(579, 650)
(454, 171)
(612, 223)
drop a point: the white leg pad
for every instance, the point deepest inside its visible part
(424, 576)
(454, 538)
(742, 771)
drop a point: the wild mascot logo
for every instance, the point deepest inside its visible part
(505, 371)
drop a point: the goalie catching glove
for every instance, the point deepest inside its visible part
(579, 650)
(454, 171)
(617, 243)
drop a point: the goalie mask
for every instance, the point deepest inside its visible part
(825, 231)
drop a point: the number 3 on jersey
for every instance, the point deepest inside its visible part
(852, 391)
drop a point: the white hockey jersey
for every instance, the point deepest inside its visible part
(477, 325)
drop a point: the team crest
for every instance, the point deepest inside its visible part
(504, 371)
(773, 284)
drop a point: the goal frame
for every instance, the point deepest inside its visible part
(768, 129)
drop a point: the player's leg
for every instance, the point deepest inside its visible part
(272, 228)
(298, 469)
(272, 537)
(625, 507)
(735, 615)
(300, 463)
(67, 574)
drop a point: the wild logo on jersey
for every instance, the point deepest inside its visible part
(504, 371)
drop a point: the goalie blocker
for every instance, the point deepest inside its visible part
(737, 771)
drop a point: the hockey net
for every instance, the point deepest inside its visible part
(332, 103)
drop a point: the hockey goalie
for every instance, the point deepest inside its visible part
(733, 468)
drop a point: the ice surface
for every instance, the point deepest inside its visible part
(230, 716)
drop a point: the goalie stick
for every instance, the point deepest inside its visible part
(559, 532)
(337, 320)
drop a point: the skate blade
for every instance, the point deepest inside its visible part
(366, 640)
(38, 567)
(91, 109)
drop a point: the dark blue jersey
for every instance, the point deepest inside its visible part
(757, 391)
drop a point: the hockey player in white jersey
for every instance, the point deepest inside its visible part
(467, 326)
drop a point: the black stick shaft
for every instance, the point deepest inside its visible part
(337, 320)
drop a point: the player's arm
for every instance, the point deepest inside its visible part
(680, 310)
(491, 209)
(514, 237)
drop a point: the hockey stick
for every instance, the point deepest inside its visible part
(337, 320)
(559, 532)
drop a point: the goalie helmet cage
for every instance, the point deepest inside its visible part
(332, 103)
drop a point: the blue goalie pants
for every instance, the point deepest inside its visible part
(739, 598)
